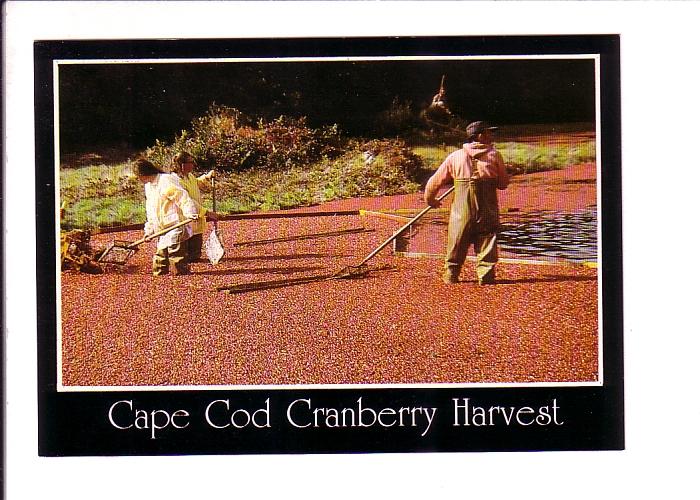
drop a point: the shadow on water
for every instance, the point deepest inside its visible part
(564, 235)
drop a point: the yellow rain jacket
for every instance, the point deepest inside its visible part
(191, 185)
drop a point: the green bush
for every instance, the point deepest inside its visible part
(98, 182)
(264, 166)
(372, 168)
(227, 140)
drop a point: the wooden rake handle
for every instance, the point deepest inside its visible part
(404, 227)
(143, 240)
(213, 199)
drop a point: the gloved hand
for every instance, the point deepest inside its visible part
(148, 229)
(432, 202)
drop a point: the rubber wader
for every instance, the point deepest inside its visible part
(473, 220)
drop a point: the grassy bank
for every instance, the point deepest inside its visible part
(102, 194)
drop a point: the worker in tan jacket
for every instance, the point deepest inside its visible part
(477, 171)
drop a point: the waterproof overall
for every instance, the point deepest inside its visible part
(477, 171)
(473, 221)
(194, 243)
(175, 254)
(167, 203)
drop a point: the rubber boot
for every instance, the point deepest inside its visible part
(161, 262)
(194, 247)
(488, 278)
(486, 259)
(178, 257)
(451, 275)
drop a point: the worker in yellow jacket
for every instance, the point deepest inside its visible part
(183, 164)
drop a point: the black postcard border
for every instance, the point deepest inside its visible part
(76, 423)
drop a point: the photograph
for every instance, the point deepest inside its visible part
(383, 221)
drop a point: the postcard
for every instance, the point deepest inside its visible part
(329, 245)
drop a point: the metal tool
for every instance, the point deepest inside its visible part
(349, 272)
(213, 247)
(119, 252)
(361, 268)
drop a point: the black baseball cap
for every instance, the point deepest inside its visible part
(475, 128)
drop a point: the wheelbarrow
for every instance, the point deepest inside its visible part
(120, 251)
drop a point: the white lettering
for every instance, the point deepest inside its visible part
(363, 411)
(467, 415)
(155, 420)
(527, 410)
(386, 411)
(178, 414)
(207, 414)
(507, 416)
(265, 413)
(430, 417)
(111, 414)
(245, 418)
(289, 412)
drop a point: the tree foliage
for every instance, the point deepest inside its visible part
(228, 140)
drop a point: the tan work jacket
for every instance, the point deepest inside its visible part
(474, 161)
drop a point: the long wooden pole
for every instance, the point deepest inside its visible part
(404, 227)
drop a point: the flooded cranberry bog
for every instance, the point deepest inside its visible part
(398, 325)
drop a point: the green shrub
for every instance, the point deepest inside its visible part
(388, 169)
(433, 156)
(584, 152)
(373, 168)
(225, 139)
(98, 183)
(291, 166)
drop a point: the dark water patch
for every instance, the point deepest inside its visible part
(563, 235)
